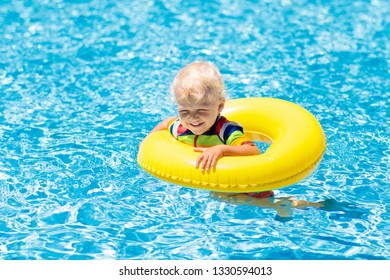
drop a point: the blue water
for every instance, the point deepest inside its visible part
(83, 81)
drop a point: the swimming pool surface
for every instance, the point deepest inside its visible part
(83, 81)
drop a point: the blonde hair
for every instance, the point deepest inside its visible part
(199, 81)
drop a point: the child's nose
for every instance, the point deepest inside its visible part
(194, 115)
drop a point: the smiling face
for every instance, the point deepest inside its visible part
(199, 116)
(200, 95)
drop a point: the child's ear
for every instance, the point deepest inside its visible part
(221, 105)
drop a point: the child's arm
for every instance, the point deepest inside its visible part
(162, 125)
(210, 156)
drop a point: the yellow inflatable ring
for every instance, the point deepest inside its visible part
(297, 146)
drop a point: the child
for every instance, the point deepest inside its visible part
(200, 96)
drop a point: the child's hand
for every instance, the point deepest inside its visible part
(209, 157)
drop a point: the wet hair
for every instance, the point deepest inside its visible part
(199, 81)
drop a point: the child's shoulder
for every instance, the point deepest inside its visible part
(223, 123)
(177, 129)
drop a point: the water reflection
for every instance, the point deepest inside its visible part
(284, 206)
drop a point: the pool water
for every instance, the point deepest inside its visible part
(83, 81)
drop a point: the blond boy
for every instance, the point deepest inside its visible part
(199, 92)
(200, 96)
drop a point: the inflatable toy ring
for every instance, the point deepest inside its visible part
(297, 146)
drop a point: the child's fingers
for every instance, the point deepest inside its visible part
(203, 162)
(206, 160)
(199, 160)
(210, 162)
(214, 161)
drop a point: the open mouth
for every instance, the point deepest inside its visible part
(196, 124)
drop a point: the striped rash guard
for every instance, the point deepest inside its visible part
(223, 132)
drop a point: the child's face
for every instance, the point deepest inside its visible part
(199, 116)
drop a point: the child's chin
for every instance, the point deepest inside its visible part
(198, 131)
